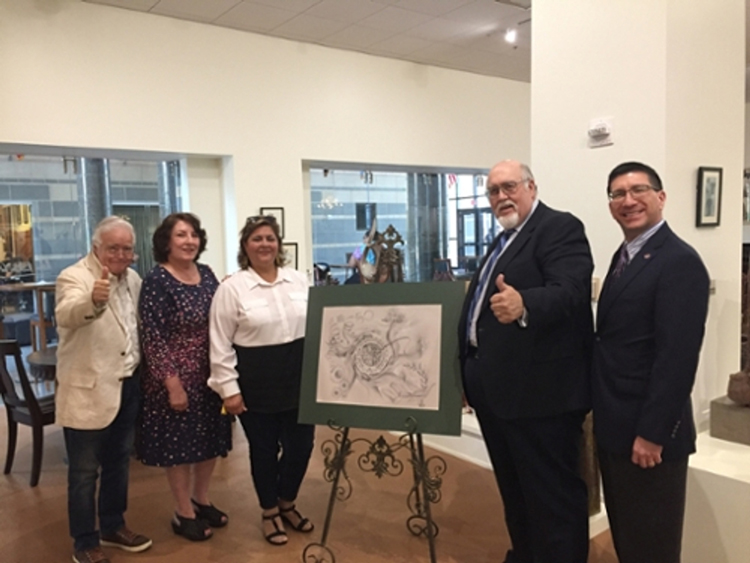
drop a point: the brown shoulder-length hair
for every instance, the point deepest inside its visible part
(251, 225)
(163, 234)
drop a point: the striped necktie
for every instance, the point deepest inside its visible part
(484, 277)
(622, 261)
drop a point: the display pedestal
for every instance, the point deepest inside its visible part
(718, 503)
(730, 421)
(470, 447)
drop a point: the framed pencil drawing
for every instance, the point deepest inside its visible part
(708, 211)
(383, 356)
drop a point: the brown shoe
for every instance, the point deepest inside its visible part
(127, 540)
(93, 555)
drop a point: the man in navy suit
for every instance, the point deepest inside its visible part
(650, 325)
(525, 344)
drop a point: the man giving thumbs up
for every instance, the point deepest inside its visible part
(525, 337)
(98, 390)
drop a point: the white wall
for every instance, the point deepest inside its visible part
(705, 108)
(205, 181)
(77, 74)
(677, 100)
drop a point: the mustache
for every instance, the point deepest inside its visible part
(506, 204)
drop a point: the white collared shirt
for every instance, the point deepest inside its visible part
(251, 312)
(126, 309)
(633, 247)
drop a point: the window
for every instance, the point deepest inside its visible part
(436, 214)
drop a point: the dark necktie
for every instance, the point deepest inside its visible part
(622, 261)
(484, 277)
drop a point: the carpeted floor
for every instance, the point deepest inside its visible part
(369, 527)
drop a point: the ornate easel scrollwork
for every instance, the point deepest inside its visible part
(380, 458)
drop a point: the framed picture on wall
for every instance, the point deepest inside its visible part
(290, 251)
(708, 212)
(277, 213)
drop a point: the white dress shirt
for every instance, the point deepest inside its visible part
(251, 312)
(126, 309)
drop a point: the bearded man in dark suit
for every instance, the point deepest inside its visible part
(525, 346)
(650, 324)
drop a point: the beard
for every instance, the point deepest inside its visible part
(509, 221)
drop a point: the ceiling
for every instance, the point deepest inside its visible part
(458, 34)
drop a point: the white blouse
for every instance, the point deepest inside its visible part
(251, 312)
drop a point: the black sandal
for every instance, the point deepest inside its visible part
(277, 533)
(212, 515)
(193, 529)
(302, 522)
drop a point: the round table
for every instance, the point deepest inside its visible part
(43, 364)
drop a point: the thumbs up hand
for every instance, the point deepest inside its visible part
(100, 293)
(500, 282)
(507, 303)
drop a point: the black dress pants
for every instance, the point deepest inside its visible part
(280, 450)
(645, 507)
(536, 464)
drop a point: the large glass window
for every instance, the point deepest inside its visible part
(336, 197)
(438, 215)
(474, 227)
(64, 198)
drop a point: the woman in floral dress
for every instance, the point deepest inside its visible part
(182, 426)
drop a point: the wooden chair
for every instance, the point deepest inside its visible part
(23, 409)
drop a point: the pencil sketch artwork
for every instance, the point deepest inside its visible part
(386, 356)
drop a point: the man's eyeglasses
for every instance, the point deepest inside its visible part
(258, 218)
(636, 191)
(114, 250)
(508, 188)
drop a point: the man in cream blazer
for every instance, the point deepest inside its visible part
(97, 396)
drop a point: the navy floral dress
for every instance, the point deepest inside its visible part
(174, 336)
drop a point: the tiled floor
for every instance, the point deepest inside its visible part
(367, 528)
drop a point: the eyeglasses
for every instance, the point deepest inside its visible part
(508, 188)
(635, 192)
(114, 250)
(259, 218)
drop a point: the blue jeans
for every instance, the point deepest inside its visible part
(107, 451)
(270, 434)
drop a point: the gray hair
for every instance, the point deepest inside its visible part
(526, 173)
(108, 224)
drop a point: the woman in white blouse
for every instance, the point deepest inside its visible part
(257, 331)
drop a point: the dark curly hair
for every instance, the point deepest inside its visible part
(251, 225)
(163, 235)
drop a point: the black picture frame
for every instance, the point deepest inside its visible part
(278, 214)
(445, 418)
(291, 254)
(708, 209)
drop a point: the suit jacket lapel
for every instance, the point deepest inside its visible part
(614, 287)
(604, 300)
(523, 237)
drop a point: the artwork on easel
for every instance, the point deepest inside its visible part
(383, 356)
